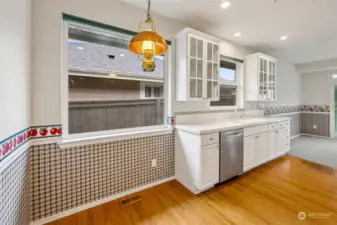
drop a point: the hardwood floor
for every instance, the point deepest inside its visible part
(271, 194)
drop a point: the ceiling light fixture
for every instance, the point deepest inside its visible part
(80, 48)
(283, 38)
(148, 43)
(121, 55)
(237, 34)
(225, 5)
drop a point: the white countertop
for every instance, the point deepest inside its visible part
(207, 127)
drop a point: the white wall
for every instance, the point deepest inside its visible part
(318, 88)
(14, 66)
(289, 84)
(319, 66)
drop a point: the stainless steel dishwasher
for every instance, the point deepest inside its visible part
(231, 154)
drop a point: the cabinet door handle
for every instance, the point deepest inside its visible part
(276, 132)
(257, 137)
(211, 139)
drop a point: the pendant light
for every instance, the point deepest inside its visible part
(147, 43)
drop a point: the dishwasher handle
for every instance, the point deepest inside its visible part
(233, 135)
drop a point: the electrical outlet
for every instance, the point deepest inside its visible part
(315, 127)
(154, 162)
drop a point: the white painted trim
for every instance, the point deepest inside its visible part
(13, 156)
(285, 114)
(295, 136)
(64, 77)
(326, 113)
(96, 203)
(332, 109)
(73, 142)
(44, 141)
(117, 77)
(310, 135)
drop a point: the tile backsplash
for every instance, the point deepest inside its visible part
(67, 178)
(15, 196)
(273, 110)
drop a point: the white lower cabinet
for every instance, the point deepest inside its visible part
(256, 150)
(262, 145)
(249, 152)
(261, 148)
(197, 160)
(209, 174)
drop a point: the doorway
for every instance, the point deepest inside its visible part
(335, 110)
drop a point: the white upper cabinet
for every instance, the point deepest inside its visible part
(260, 77)
(197, 66)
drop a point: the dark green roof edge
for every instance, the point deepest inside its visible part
(72, 18)
(231, 58)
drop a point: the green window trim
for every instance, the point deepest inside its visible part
(231, 59)
(76, 19)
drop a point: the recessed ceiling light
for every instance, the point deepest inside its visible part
(80, 48)
(121, 55)
(283, 38)
(237, 34)
(225, 5)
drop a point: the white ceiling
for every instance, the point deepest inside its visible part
(310, 24)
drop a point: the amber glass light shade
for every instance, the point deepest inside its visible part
(139, 43)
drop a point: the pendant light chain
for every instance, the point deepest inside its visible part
(148, 9)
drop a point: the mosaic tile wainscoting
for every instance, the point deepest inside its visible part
(304, 117)
(63, 179)
(15, 196)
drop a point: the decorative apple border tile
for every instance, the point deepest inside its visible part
(45, 131)
(10, 144)
(171, 120)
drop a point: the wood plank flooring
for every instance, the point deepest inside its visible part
(272, 194)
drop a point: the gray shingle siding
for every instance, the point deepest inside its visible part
(91, 56)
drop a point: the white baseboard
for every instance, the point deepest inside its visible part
(295, 136)
(96, 203)
(317, 136)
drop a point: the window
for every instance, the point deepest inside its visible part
(148, 92)
(227, 71)
(104, 81)
(231, 87)
(228, 96)
(151, 91)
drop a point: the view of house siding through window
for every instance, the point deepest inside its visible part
(108, 89)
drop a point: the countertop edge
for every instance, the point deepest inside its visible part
(209, 131)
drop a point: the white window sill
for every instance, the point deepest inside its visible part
(219, 108)
(70, 142)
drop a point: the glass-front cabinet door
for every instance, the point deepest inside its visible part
(267, 80)
(263, 79)
(271, 93)
(212, 72)
(196, 67)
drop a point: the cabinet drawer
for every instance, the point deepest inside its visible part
(255, 130)
(209, 139)
(273, 126)
(284, 124)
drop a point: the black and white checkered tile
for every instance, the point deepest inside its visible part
(66, 178)
(15, 197)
